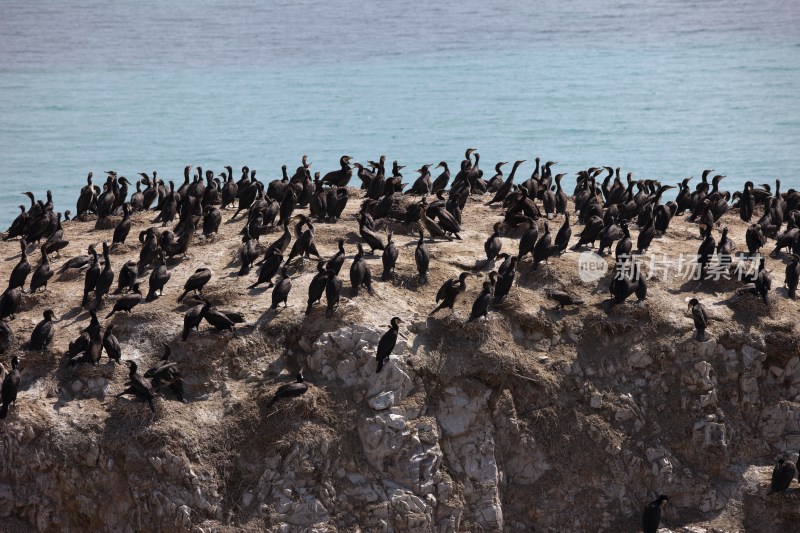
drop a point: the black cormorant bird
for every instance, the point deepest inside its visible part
(341, 177)
(434, 230)
(192, 319)
(138, 386)
(316, 288)
(700, 317)
(493, 244)
(166, 374)
(755, 239)
(370, 237)
(624, 245)
(333, 290)
(480, 308)
(127, 277)
(127, 302)
(92, 275)
(158, 278)
(269, 268)
(651, 517)
(387, 343)
(21, 270)
(111, 345)
(123, 228)
(43, 272)
(42, 334)
(793, 275)
(505, 188)
(563, 298)
(360, 273)
(9, 302)
(782, 476)
(505, 281)
(218, 320)
(423, 185)
(646, 236)
(335, 263)
(528, 239)
(422, 258)
(6, 337)
(706, 250)
(563, 236)
(196, 282)
(280, 294)
(389, 258)
(543, 250)
(290, 390)
(104, 280)
(19, 225)
(449, 291)
(8, 393)
(441, 181)
(248, 251)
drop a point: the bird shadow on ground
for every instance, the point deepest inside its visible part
(77, 313)
(353, 238)
(261, 289)
(14, 257)
(555, 313)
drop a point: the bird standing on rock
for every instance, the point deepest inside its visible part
(782, 476)
(651, 518)
(387, 343)
(8, 393)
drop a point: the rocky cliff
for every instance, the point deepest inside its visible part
(534, 419)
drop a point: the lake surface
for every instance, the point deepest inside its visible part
(663, 89)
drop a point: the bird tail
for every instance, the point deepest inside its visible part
(109, 315)
(4, 410)
(387, 274)
(423, 279)
(185, 334)
(380, 366)
(272, 401)
(181, 297)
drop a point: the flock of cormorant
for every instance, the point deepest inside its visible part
(606, 208)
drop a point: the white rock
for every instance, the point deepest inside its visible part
(596, 401)
(382, 401)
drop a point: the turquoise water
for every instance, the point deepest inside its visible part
(662, 89)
